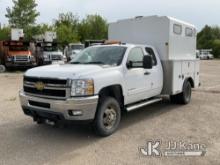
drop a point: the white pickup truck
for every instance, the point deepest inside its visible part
(104, 80)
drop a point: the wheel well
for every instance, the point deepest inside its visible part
(114, 91)
(191, 82)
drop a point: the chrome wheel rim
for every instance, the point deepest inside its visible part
(109, 117)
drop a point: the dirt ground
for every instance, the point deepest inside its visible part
(24, 142)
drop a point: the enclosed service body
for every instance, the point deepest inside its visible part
(174, 40)
(17, 34)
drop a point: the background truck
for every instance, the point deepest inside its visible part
(73, 49)
(89, 43)
(46, 50)
(205, 54)
(105, 80)
(15, 52)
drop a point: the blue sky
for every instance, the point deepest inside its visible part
(197, 12)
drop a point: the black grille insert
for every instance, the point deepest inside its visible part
(46, 92)
(46, 80)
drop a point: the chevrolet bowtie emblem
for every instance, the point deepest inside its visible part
(39, 85)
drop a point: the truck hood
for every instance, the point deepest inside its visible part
(53, 53)
(76, 51)
(66, 71)
(19, 53)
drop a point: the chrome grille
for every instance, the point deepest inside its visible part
(52, 88)
(56, 57)
(21, 58)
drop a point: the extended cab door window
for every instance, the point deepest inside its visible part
(151, 53)
(136, 57)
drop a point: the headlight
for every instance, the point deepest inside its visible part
(82, 87)
(9, 58)
(32, 58)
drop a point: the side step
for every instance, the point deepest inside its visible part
(142, 104)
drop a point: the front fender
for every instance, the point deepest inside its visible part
(113, 77)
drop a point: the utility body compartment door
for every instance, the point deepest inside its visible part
(176, 72)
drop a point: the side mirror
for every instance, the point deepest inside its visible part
(147, 62)
(129, 64)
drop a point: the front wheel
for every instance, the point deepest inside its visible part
(185, 96)
(2, 68)
(108, 116)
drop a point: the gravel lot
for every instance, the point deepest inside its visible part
(23, 142)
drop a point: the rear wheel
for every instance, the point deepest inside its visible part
(108, 117)
(185, 96)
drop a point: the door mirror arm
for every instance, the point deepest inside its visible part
(129, 64)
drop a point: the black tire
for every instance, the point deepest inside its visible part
(40, 121)
(173, 99)
(2, 68)
(108, 117)
(185, 96)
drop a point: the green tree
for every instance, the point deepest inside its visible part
(209, 38)
(66, 27)
(205, 38)
(65, 35)
(34, 30)
(68, 19)
(93, 27)
(22, 14)
(5, 33)
(216, 48)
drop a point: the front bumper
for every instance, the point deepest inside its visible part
(20, 64)
(59, 109)
(52, 61)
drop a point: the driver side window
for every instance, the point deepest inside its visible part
(136, 57)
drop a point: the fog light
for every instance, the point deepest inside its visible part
(75, 113)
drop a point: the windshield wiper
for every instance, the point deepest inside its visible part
(75, 63)
(94, 62)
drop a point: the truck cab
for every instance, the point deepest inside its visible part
(205, 54)
(16, 54)
(73, 49)
(47, 53)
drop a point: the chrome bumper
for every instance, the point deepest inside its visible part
(87, 106)
(21, 64)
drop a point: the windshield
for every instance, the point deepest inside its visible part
(105, 55)
(50, 48)
(18, 48)
(76, 47)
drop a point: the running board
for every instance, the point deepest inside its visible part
(142, 104)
